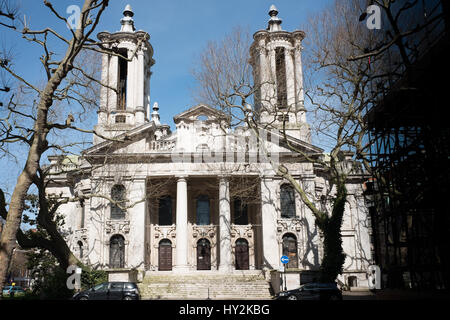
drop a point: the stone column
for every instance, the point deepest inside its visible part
(140, 75)
(269, 215)
(290, 79)
(139, 98)
(104, 92)
(272, 92)
(225, 225)
(182, 226)
(299, 94)
(264, 72)
(136, 229)
(113, 78)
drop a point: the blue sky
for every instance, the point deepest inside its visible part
(179, 30)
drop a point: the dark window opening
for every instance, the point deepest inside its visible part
(80, 248)
(283, 118)
(203, 216)
(280, 66)
(122, 80)
(165, 211)
(287, 199)
(121, 119)
(352, 281)
(118, 196)
(83, 212)
(240, 212)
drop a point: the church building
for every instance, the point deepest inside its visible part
(203, 198)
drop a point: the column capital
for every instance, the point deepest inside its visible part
(181, 178)
(223, 177)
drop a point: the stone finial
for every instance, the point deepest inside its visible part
(273, 11)
(155, 113)
(274, 21)
(127, 21)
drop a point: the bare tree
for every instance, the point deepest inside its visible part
(62, 84)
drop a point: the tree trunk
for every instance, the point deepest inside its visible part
(334, 256)
(29, 173)
(8, 239)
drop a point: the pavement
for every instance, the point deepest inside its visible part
(396, 294)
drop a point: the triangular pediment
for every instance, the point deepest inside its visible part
(294, 145)
(200, 112)
(121, 141)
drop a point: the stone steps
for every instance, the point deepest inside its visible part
(226, 287)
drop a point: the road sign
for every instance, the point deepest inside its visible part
(284, 259)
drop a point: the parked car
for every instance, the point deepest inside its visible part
(312, 291)
(16, 290)
(110, 291)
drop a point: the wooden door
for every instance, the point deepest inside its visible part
(203, 255)
(165, 255)
(241, 254)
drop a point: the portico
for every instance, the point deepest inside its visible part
(210, 228)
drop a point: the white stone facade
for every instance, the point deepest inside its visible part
(181, 190)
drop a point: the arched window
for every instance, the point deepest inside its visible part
(290, 249)
(241, 254)
(203, 216)
(165, 211)
(203, 254)
(240, 212)
(165, 255)
(118, 195)
(117, 252)
(287, 201)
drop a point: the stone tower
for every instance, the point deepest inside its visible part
(277, 72)
(128, 72)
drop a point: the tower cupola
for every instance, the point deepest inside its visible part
(275, 56)
(125, 93)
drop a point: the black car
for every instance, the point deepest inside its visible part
(312, 291)
(110, 291)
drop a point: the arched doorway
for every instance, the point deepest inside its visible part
(241, 254)
(290, 249)
(203, 254)
(165, 255)
(117, 251)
